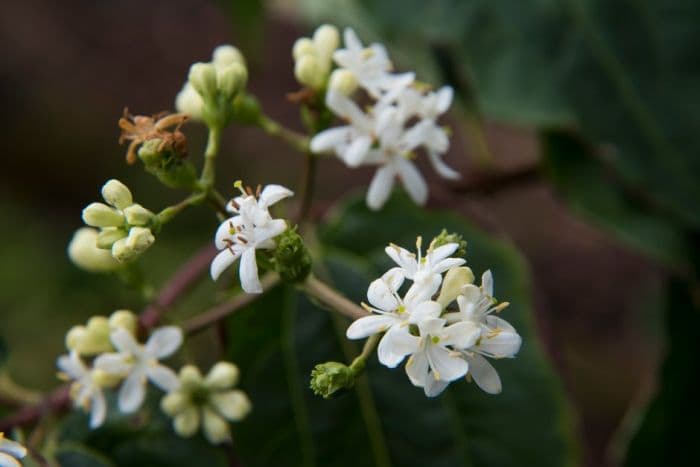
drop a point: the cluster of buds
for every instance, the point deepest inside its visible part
(313, 57)
(212, 87)
(126, 228)
(93, 338)
(208, 401)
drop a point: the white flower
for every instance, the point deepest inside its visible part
(435, 362)
(498, 338)
(251, 229)
(10, 452)
(138, 363)
(86, 389)
(392, 315)
(371, 66)
(209, 401)
(425, 271)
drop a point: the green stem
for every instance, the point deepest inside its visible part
(307, 186)
(167, 214)
(358, 364)
(291, 137)
(332, 298)
(209, 170)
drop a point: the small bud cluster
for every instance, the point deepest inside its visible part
(443, 344)
(330, 378)
(126, 228)
(313, 57)
(291, 257)
(212, 87)
(208, 401)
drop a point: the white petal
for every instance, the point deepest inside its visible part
(416, 135)
(404, 258)
(425, 310)
(446, 264)
(222, 261)
(163, 377)
(424, 289)
(394, 277)
(417, 368)
(164, 342)
(444, 99)
(274, 193)
(460, 335)
(71, 365)
(444, 170)
(380, 187)
(395, 345)
(13, 448)
(434, 387)
(484, 374)
(368, 325)
(470, 295)
(223, 233)
(98, 409)
(248, 272)
(446, 365)
(352, 42)
(382, 296)
(132, 392)
(431, 327)
(124, 342)
(504, 345)
(8, 461)
(355, 154)
(487, 283)
(412, 180)
(441, 252)
(272, 229)
(330, 139)
(113, 363)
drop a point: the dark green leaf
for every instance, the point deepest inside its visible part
(75, 455)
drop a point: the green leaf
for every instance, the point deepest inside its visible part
(385, 420)
(75, 455)
(667, 434)
(581, 178)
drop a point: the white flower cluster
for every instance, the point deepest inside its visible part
(401, 119)
(10, 452)
(444, 344)
(120, 358)
(125, 226)
(251, 228)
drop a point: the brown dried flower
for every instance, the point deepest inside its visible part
(140, 128)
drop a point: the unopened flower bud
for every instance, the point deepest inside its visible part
(233, 405)
(109, 235)
(188, 101)
(91, 339)
(138, 241)
(303, 46)
(455, 280)
(174, 403)
(215, 427)
(74, 336)
(84, 253)
(445, 237)
(103, 379)
(291, 257)
(308, 72)
(186, 423)
(117, 194)
(138, 215)
(101, 215)
(123, 319)
(231, 79)
(203, 78)
(222, 375)
(190, 377)
(330, 377)
(326, 39)
(343, 81)
(227, 54)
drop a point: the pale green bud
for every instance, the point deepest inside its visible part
(215, 427)
(308, 72)
(190, 377)
(223, 375)
(455, 280)
(188, 101)
(104, 379)
(343, 81)
(101, 215)
(138, 215)
(186, 423)
(123, 319)
(331, 377)
(231, 79)
(84, 253)
(174, 403)
(109, 235)
(234, 405)
(326, 39)
(203, 78)
(303, 46)
(92, 339)
(75, 336)
(138, 241)
(117, 194)
(227, 54)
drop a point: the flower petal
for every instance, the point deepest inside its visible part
(12, 448)
(395, 345)
(484, 374)
(234, 405)
(274, 193)
(394, 278)
(412, 180)
(446, 365)
(272, 229)
(368, 325)
(425, 310)
(417, 368)
(98, 409)
(71, 365)
(382, 296)
(330, 139)
(113, 363)
(487, 283)
(444, 99)
(380, 187)
(423, 289)
(404, 258)
(163, 377)
(8, 461)
(438, 254)
(186, 423)
(355, 154)
(132, 392)
(447, 264)
(434, 387)
(164, 342)
(215, 427)
(124, 342)
(460, 335)
(248, 272)
(444, 170)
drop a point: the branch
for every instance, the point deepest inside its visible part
(57, 400)
(489, 182)
(332, 298)
(222, 310)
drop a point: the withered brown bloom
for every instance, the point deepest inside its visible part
(139, 128)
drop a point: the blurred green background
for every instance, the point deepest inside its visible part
(575, 129)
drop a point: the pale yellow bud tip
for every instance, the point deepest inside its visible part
(343, 81)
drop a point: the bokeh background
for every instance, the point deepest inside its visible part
(576, 132)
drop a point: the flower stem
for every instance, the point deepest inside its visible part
(209, 170)
(167, 214)
(291, 137)
(358, 364)
(332, 298)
